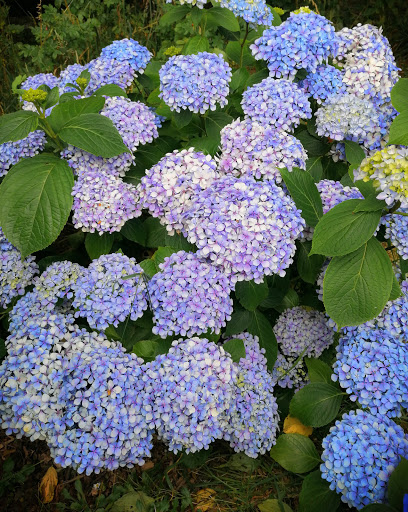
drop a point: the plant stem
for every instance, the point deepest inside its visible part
(401, 213)
(242, 44)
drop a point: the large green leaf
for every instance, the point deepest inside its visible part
(214, 122)
(316, 495)
(17, 126)
(64, 112)
(260, 326)
(308, 266)
(224, 18)
(304, 192)
(235, 348)
(93, 133)
(238, 79)
(251, 294)
(239, 322)
(316, 404)
(233, 50)
(354, 153)
(97, 244)
(35, 202)
(314, 167)
(399, 95)
(174, 14)
(378, 507)
(343, 230)
(295, 453)
(110, 90)
(195, 45)
(182, 118)
(273, 506)
(318, 371)
(357, 286)
(312, 145)
(398, 484)
(399, 130)
(135, 230)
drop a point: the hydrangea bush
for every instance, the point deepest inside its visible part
(191, 248)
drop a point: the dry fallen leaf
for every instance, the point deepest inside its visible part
(147, 465)
(205, 501)
(48, 484)
(292, 425)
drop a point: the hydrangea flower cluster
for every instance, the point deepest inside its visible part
(253, 415)
(255, 12)
(192, 387)
(289, 372)
(129, 51)
(246, 227)
(396, 229)
(103, 203)
(13, 152)
(279, 103)
(388, 169)
(300, 332)
(251, 149)
(69, 76)
(372, 367)
(15, 274)
(104, 293)
(303, 41)
(105, 412)
(170, 187)
(189, 296)
(333, 193)
(195, 82)
(360, 453)
(83, 163)
(324, 83)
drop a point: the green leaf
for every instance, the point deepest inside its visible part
(207, 145)
(308, 267)
(110, 90)
(251, 294)
(357, 286)
(316, 495)
(131, 502)
(214, 123)
(224, 18)
(295, 453)
(195, 45)
(341, 231)
(399, 130)
(93, 133)
(313, 146)
(378, 507)
(304, 192)
(96, 244)
(399, 95)
(318, 371)
(35, 202)
(395, 290)
(148, 350)
(398, 484)
(156, 232)
(174, 14)
(182, 118)
(161, 254)
(257, 77)
(290, 300)
(149, 267)
(65, 112)
(276, 18)
(235, 348)
(135, 230)
(233, 50)
(315, 168)
(273, 506)
(260, 326)
(52, 98)
(239, 79)
(316, 404)
(240, 320)
(370, 204)
(17, 126)
(274, 298)
(354, 153)
(196, 15)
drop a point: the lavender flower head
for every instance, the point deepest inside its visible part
(360, 453)
(103, 203)
(304, 40)
(189, 296)
(195, 82)
(248, 228)
(300, 332)
(288, 372)
(105, 412)
(253, 415)
(199, 3)
(129, 51)
(192, 387)
(279, 103)
(104, 294)
(170, 187)
(333, 193)
(69, 75)
(254, 12)
(396, 230)
(251, 149)
(324, 83)
(12, 152)
(372, 367)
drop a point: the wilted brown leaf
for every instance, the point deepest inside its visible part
(292, 425)
(48, 484)
(205, 500)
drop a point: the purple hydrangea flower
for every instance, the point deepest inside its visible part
(189, 296)
(279, 103)
(248, 228)
(106, 71)
(333, 193)
(396, 230)
(69, 75)
(12, 152)
(255, 12)
(324, 83)
(251, 149)
(289, 372)
(360, 453)
(195, 82)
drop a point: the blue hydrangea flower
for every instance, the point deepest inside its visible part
(279, 103)
(246, 227)
(129, 51)
(300, 332)
(189, 296)
(333, 193)
(106, 71)
(303, 41)
(289, 372)
(255, 12)
(103, 203)
(192, 388)
(251, 149)
(324, 83)
(104, 295)
(195, 82)
(13, 152)
(15, 274)
(170, 187)
(105, 412)
(69, 75)
(360, 453)
(396, 230)
(253, 415)
(372, 367)
(83, 163)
